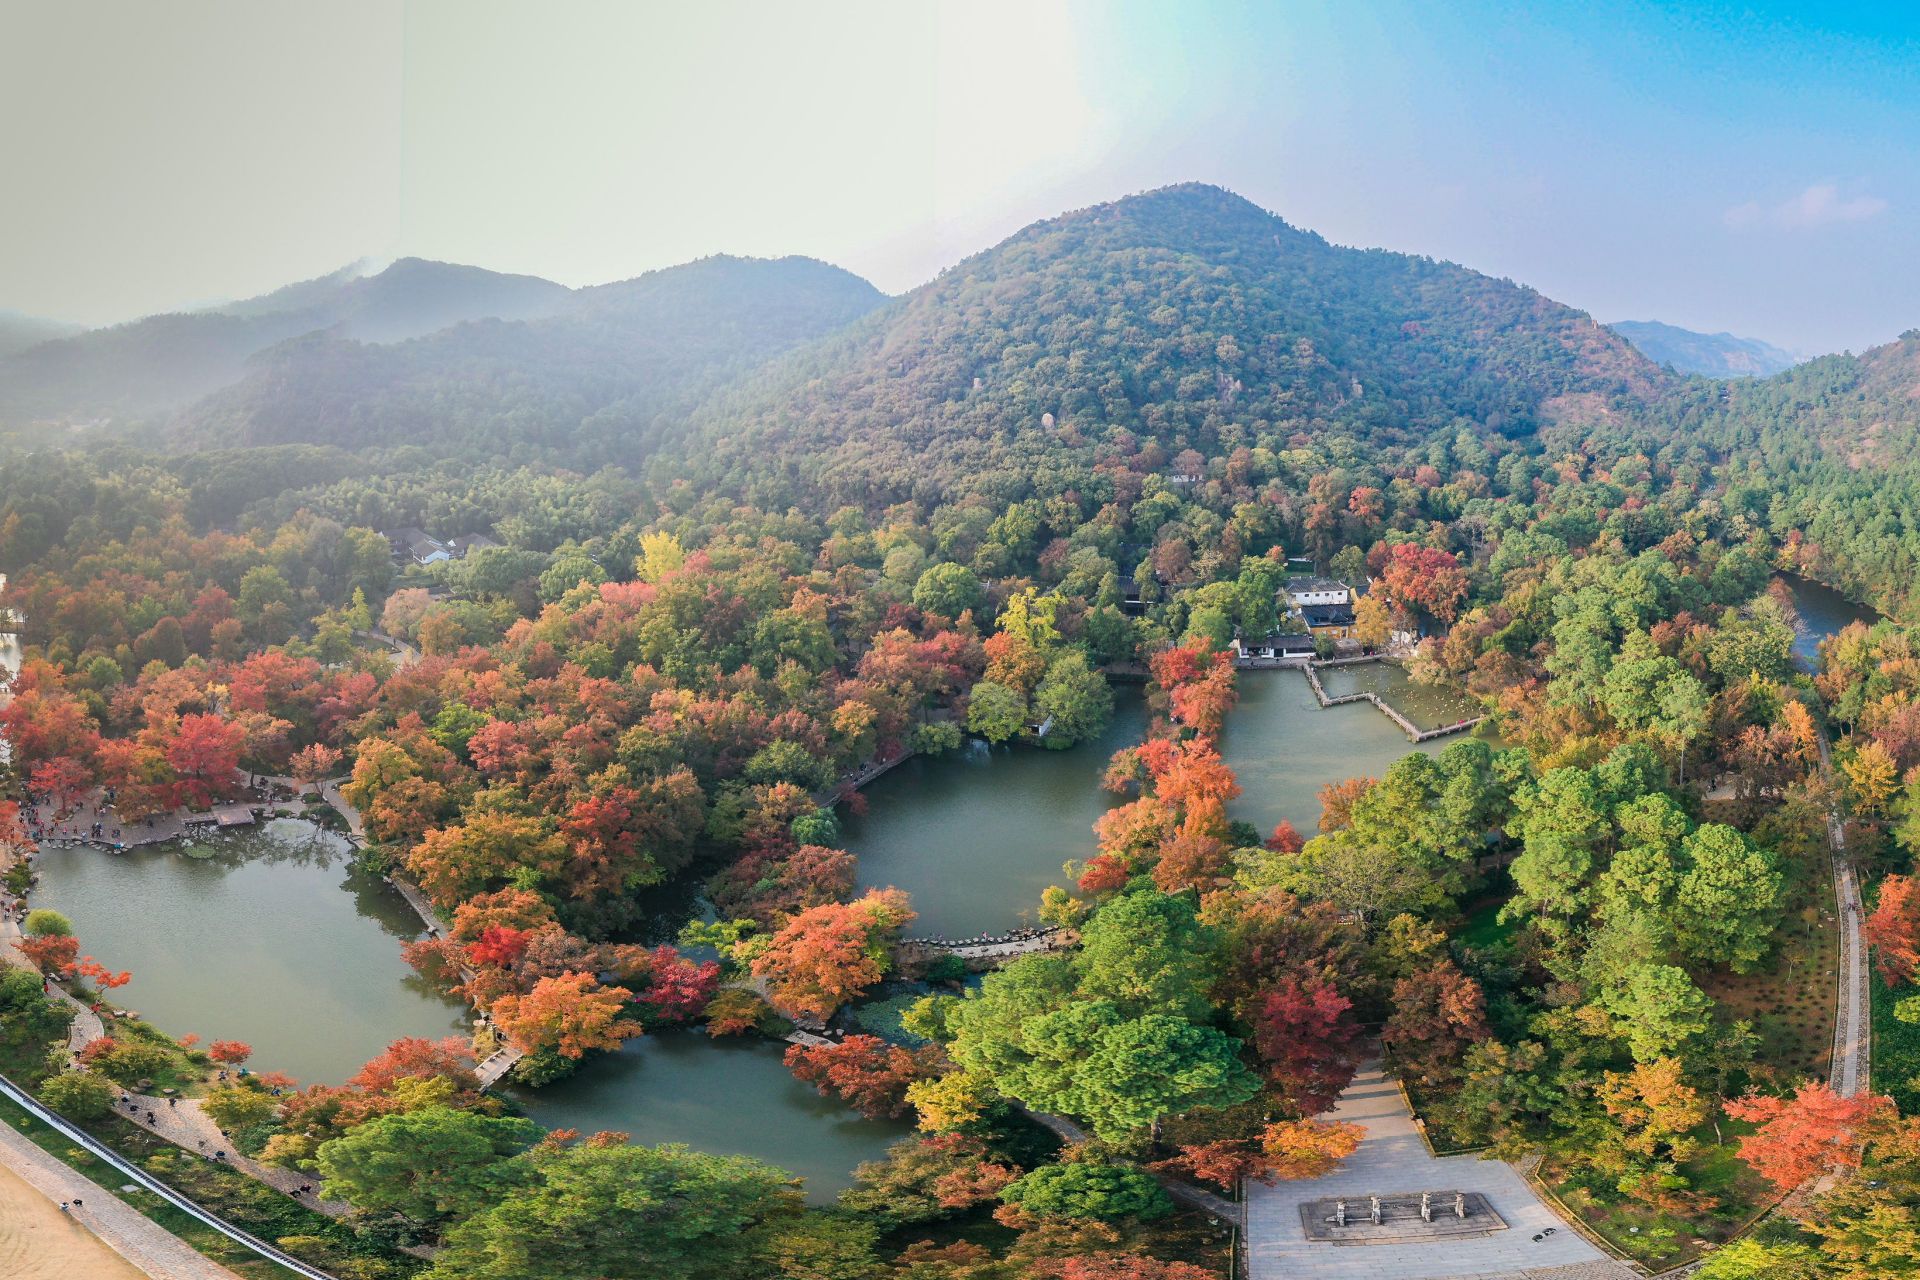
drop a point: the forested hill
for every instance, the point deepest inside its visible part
(18, 332)
(584, 384)
(1833, 448)
(1716, 355)
(1186, 316)
(155, 364)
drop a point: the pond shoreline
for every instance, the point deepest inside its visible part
(1414, 732)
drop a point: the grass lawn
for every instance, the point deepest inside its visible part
(1664, 1240)
(1896, 1047)
(1791, 1002)
(186, 1069)
(1482, 929)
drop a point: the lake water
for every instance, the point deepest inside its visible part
(974, 836)
(1284, 746)
(275, 940)
(1823, 612)
(729, 1097)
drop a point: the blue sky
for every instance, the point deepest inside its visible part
(1751, 169)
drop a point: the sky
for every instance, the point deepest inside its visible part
(1731, 168)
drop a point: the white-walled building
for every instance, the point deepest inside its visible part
(1302, 592)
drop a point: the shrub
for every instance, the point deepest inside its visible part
(45, 922)
(238, 1107)
(1103, 1191)
(79, 1095)
(127, 1064)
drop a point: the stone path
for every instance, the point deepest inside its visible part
(140, 1177)
(142, 1242)
(999, 948)
(330, 792)
(1394, 1158)
(187, 1125)
(1850, 1072)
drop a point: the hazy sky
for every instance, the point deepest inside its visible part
(1719, 168)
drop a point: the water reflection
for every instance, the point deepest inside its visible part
(270, 936)
(974, 836)
(730, 1097)
(1820, 612)
(1284, 746)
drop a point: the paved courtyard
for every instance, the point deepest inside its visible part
(1394, 1159)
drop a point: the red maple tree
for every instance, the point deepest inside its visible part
(869, 1074)
(102, 977)
(1420, 577)
(203, 754)
(1305, 1033)
(230, 1052)
(417, 1058)
(1815, 1131)
(1893, 930)
(678, 988)
(498, 946)
(1285, 838)
(51, 954)
(62, 779)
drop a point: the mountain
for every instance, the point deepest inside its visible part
(1717, 355)
(149, 366)
(584, 382)
(412, 296)
(1188, 317)
(18, 332)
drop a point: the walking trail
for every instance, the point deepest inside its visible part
(148, 1248)
(1852, 1021)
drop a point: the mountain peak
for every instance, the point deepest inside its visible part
(1716, 355)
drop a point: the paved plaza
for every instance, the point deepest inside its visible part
(1394, 1159)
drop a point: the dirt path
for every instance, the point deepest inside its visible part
(38, 1242)
(105, 1239)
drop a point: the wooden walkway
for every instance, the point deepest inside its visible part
(995, 949)
(1413, 731)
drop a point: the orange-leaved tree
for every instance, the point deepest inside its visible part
(1893, 930)
(1298, 1149)
(570, 1014)
(826, 955)
(1815, 1131)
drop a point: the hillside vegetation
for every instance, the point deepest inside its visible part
(1189, 317)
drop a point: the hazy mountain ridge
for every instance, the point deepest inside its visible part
(19, 331)
(590, 376)
(150, 365)
(1715, 355)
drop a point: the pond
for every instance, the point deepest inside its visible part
(273, 939)
(974, 836)
(1284, 746)
(728, 1097)
(1429, 706)
(1823, 612)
